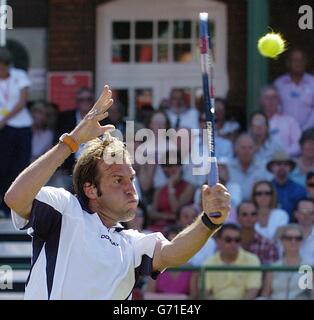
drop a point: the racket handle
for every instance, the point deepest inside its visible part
(212, 180)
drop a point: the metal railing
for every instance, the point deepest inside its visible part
(23, 265)
(236, 268)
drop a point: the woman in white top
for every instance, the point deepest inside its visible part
(285, 285)
(15, 123)
(269, 217)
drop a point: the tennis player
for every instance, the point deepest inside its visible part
(80, 249)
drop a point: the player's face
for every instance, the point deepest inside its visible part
(118, 198)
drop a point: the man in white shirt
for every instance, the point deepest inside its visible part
(296, 90)
(80, 250)
(180, 115)
(245, 169)
(282, 127)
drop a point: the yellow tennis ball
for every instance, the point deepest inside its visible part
(271, 45)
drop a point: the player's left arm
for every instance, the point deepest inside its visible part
(184, 246)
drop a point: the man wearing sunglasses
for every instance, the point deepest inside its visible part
(251, 240)
(232, 285)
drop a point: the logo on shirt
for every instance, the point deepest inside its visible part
(104, 236)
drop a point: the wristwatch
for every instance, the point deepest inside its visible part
(209, 224)
(69, 141)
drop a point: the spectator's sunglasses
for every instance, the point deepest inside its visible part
(291, 238)
(310, 184)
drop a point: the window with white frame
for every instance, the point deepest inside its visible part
(145, 48)
(156, 41)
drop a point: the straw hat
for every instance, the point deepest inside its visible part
(280, 157)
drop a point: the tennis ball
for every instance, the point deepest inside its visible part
(271, 45)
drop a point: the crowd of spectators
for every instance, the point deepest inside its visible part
(269, 170)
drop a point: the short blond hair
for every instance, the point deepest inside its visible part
(109, 150)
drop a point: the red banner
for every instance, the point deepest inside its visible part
(62, 87)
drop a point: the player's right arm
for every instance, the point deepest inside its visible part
(24, 189)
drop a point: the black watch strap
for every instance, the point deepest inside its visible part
(211, 226)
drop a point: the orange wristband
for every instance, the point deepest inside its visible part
(70, 142)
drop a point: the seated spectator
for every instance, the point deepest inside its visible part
(224, 148)
(228, 129)
(296, 90)
(140, 220)
(116, 117)
(251, 240)
(144, 113)
(229, 284)
(183, 142)
(179, 113)
(139, 224)
(186, 217)
(246, 169)
(304, 214)
(265, 146)
(171, 197)
(156, 122)
(288, 192)
(269, 217)
(285, 285)
(233, 187)
(42, 138)
(172, 285)
(67, 121)
(310, 185)
(282, 128)
(305, 163)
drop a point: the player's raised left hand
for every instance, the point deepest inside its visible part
(89, 128)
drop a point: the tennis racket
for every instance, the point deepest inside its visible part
(207, 68)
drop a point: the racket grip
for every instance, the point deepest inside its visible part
(212, 180)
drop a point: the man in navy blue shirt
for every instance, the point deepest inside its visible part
(288, 191)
